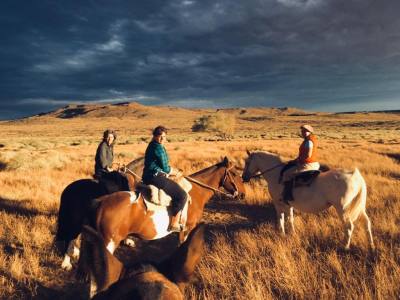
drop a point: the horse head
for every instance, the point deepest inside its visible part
(231, 181)
(250, 167)
(260, 161)
(165, 280)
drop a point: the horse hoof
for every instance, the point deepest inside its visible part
(66, 266)
(129, 242)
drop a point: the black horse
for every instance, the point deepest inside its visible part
(76, 203)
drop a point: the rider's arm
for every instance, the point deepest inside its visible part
(162, 159)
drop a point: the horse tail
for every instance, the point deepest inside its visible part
(357, 204)
(73, 211)
(68, 224)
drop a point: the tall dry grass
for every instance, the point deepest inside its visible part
(246, 257)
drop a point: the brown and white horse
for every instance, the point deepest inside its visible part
(117, 215)
(345, 190)
(110, 279)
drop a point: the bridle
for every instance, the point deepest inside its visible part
(221, 183)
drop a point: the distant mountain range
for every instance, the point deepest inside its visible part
(137, 110)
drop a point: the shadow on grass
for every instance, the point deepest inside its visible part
(19, 208)
(395, 156)
(254, 213)
(3, 166)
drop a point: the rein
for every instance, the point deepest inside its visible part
(266, 171)
(190, 179)
(208, 187)
(132, 173)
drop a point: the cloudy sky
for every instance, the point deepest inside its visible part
(326, 55)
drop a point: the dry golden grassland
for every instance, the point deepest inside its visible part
(246, 257)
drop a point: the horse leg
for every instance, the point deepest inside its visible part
(367, 220)
(292, 218)
(282, 222)
(72, 251)
(349, 227)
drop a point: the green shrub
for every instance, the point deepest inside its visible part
(221, 123)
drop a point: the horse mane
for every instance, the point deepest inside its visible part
(267, 153)
(136, 163)
(180, 267)
(209, 169)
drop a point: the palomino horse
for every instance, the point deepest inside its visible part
(117, 216)
(110, 279)
(344, 190)
(74, 209)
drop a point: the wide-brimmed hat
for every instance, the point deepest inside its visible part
(307, 127)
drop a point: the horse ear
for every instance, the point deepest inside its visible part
(226, 161)
(248, 152)
(180, 267)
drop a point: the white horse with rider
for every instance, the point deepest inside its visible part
(345, 190)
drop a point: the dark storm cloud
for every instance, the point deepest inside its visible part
(315, 54)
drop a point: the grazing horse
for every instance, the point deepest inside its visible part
(110, 279)
(74, 209)
(344, 190)
(117, 215)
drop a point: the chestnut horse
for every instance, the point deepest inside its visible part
(74, 209)
(110, 279)
(117, 215)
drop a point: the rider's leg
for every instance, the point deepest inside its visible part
(178, 195)
(290, 164)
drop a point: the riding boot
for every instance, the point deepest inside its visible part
(174, 223)
(287, 193)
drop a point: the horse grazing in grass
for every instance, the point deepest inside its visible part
(118, 215)
(110, 279)
(74, 210)
(344, 190)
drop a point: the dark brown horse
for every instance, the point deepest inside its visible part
(120, 214)
(75, 205)
(110, 279)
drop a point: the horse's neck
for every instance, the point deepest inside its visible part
(208, 177)
(266, 162)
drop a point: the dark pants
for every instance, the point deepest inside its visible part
(171, 188)
(290, 164)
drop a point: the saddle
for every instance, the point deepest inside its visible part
(303, 179)
(156, 199)
(154, 196)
